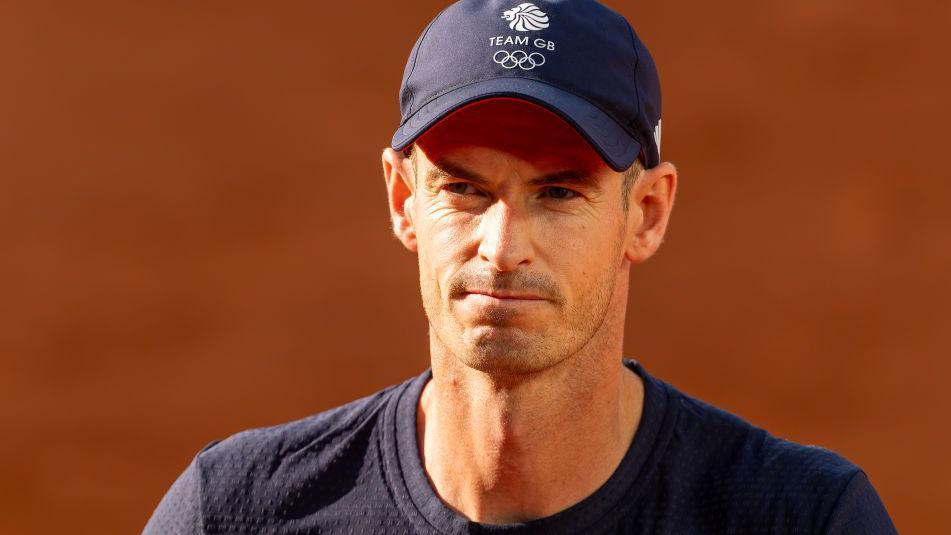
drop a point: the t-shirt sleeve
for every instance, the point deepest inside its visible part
(859, 510)
(179, 512)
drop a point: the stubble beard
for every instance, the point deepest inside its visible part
(501, 346)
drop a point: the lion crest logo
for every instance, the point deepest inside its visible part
(526, 17)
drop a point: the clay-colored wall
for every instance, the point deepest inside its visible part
(195, 236)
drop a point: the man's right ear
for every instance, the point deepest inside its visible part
(400, 187)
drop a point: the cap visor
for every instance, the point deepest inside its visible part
(608, 138)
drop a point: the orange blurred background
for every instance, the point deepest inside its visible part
(196, 239)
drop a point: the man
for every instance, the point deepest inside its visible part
(526, 176)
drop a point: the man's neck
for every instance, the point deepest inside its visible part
(500, 453)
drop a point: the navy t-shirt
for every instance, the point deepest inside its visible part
(691, 469)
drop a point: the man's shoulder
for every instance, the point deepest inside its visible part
(730, 441)
(266, 475)
(259, 460)
(746, 472)
(317, 430)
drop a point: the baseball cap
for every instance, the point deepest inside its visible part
(577, 58)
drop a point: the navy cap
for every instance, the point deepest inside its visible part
(577, 58)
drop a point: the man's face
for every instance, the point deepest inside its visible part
(510, 200)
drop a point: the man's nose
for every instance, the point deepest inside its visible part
(506, 236)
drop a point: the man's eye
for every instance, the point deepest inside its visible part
(459, 188)
(561, 194)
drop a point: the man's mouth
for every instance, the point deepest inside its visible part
(506, 295)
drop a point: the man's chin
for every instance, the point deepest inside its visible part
(504, 350)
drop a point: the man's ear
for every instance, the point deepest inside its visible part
(651, 201)
(398, 173)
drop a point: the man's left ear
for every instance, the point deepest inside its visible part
(651, 200)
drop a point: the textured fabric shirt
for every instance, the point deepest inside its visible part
(691, 469)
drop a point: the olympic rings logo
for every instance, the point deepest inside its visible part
(519, 58)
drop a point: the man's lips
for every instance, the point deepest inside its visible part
(508, 295)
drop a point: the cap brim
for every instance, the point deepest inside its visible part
(618, 148)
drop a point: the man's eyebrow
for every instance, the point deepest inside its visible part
(571, 176)
(444, 169)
